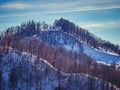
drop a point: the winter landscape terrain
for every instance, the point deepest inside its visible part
(60, 56)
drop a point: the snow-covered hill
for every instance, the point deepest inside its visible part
(69, 42)
(21, 71)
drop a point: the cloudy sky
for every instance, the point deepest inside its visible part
(101, 17)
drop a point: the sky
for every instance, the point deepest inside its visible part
(100, 17)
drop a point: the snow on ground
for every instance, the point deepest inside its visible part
(107, 51)
(14, 59)
(69, 42)
(100, 56)
(47, 76)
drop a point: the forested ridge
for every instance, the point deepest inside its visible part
(31, 28)
(23, 38)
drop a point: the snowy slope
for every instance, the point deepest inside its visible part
(42, 76)
(100, 56)
(23, 62)
(71, 43)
